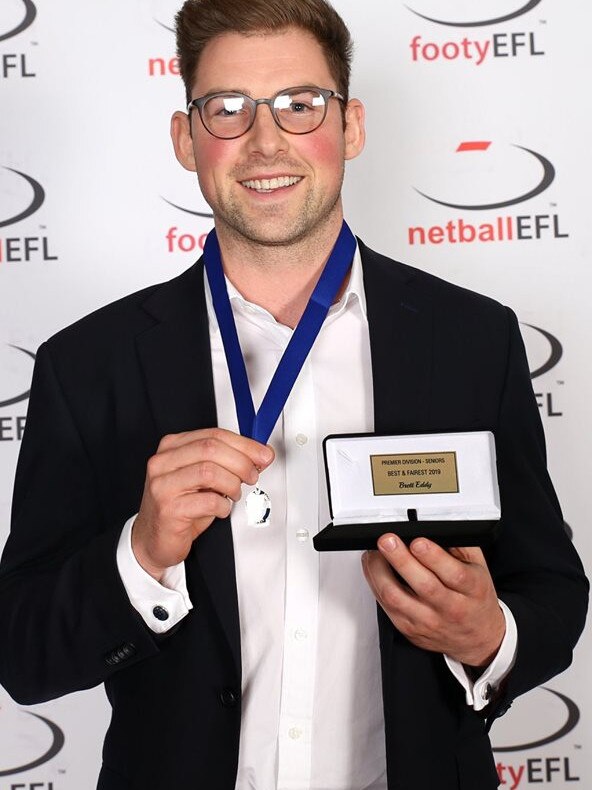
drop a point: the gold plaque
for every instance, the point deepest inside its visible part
(414, 473)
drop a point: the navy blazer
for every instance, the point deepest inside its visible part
(104, 393)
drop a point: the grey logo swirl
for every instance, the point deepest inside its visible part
(545, 183)
(204, 214)
(483, 22)
(35, 205)
(556, 352)
(573, 717)
(30, 14)
(58, 740)
(24, 395)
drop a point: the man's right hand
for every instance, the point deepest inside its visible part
(192, 479)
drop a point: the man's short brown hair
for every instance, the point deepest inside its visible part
(199, 21)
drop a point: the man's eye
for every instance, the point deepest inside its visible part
(299, 107)
(229, 107)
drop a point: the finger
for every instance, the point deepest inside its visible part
(454, 572)
(469, 554)
(203, 505)
(212, 449)
(261, 454)
(192, 514)
(422, 580)
(380, 577)
(400, 602)
(204, 476)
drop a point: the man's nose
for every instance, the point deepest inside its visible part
(265, 136)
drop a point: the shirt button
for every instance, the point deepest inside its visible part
(300, 634)
(301, 439)
(294, 733)
(228, 698)
(302, 535)
(160, 613)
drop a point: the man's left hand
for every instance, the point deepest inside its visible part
(444, 601)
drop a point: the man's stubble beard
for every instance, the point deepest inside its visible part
(267, 229)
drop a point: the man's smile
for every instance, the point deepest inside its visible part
(267, 185)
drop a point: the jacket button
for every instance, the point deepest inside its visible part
(120, 654)
(128, 649)
(160, 613)
(228, 698)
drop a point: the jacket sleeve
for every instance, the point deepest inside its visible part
(65, 618)
(534, 565)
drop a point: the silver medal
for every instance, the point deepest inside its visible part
(258, 506)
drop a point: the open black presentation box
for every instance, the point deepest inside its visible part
(475, 469)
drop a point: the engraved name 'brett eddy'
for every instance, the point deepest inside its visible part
(425, 473)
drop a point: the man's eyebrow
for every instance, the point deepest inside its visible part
(247, 92)
(226, 89)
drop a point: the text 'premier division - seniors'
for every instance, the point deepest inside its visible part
(414, 473)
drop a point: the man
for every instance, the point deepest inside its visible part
(232, 653)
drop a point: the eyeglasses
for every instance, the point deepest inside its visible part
(228, 114)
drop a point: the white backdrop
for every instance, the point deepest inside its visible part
(476, 169)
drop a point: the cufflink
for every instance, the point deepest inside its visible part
(160, 613)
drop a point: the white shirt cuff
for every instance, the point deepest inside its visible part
(161, 604)
(479, 693)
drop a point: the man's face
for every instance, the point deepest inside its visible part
(260, 66)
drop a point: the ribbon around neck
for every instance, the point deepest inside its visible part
(260, 425)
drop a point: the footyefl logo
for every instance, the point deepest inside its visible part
(558, 716)
(476, 48)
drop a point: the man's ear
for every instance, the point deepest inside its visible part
(182, 140)
(355, 130)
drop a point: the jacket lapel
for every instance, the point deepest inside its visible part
(401, 325)
(176, 362)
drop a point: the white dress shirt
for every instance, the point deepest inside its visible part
(312, 714)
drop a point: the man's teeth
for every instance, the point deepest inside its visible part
(269, 184)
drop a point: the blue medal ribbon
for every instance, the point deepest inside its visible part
(260, 425)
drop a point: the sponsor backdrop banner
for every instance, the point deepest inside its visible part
(476, 169)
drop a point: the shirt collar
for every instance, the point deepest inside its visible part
(354, 291)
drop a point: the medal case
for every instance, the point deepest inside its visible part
(439, 486)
